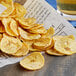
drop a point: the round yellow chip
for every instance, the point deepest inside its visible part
(13, 14)
(37, 29)
(10, 45)
(20, 10)
(10, 7)
(70, 36)
(2, 29)
(30, 43)
(1, 36)
(55, 38)
(9, 2)
(36, 26)
(40, 30)
(34, 50)
(50, 33)
(51, 45)
(22, 51)
(65, 46)
(7, 12)
(52, 51)
(24, 24)
(33, 61)
(28, 36)
(42, 43)
(14, 27)
(6, 22)
(4, 4)
(31, 20)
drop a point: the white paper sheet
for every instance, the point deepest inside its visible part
(46, 14)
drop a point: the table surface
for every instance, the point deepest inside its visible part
(54, 66)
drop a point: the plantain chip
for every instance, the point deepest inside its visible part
(33, 61)
(10, 45)
(30, 21)
(42, 43)
(65, 46)
(2, 29)
(24, 24)
(6, 22)
(70, 36)
(14, 27)
(51, 45)
(36, 26)
(20, 10)
(1, 36)
(52, 51)
(28, 36)
(55, 38)
(24, 50)
(10, 7)
(40, 30)
(50, 33)
(33, 49)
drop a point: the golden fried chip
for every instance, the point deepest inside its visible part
(10, 8)
(19, 11)
(65, 46)
(50, 32)
(36, 26)
(6, 22)
(71, 37)
(2, 30)
(23, 23)
(14, 26)
(26, 23)
(52, 51)
(0, 45)
(33, 61)
(6, 3)
(55, 38)
(13, 14)
(42, 43)
(22, 51)
(10, 45)
(1, 36)
(51, 45)
(30, 43)
(33, 49)
(28, 36)
(40, 30)
(7, 12)
(31, 20)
